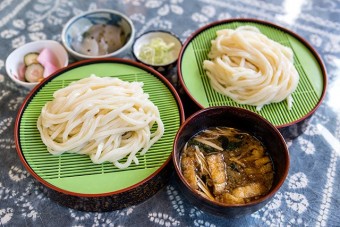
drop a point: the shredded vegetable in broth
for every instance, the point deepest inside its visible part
(227, 165)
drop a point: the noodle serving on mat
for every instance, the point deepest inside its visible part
(105, 118)
(250, 68)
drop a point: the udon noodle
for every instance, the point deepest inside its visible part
(105, 118)
(250, 68)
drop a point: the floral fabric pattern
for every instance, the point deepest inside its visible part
(310, 195)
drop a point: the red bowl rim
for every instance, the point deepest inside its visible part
(75, 65)
(215, 23)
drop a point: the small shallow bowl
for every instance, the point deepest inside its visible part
(244, 120)
(15, 60)
(78, 25)
(167, 37)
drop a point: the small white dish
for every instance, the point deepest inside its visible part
(15, 60)
(168, 38)
(77, 27)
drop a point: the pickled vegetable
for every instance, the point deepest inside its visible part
(37, 66)
(99, 39)
(31, 58)
(34, 73)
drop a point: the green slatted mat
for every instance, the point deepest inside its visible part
(76, 173)
(307, 95)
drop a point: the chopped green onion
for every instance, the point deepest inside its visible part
(157, 52)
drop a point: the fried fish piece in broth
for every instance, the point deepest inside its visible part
(250, 190)
(189, 172)
(217, 169)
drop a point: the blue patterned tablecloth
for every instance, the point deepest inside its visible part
(309, 197)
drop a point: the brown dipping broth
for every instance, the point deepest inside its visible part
(227, 165)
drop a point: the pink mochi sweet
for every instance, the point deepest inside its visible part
(49, 68)
(21, 72)
(46, 56)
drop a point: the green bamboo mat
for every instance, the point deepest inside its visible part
(306, 96)
(77, 173)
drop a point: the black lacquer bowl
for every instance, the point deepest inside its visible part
(244, 120)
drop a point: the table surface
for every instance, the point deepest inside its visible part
(310, 195)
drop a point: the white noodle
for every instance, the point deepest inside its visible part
(105, 118)
(250, 68)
